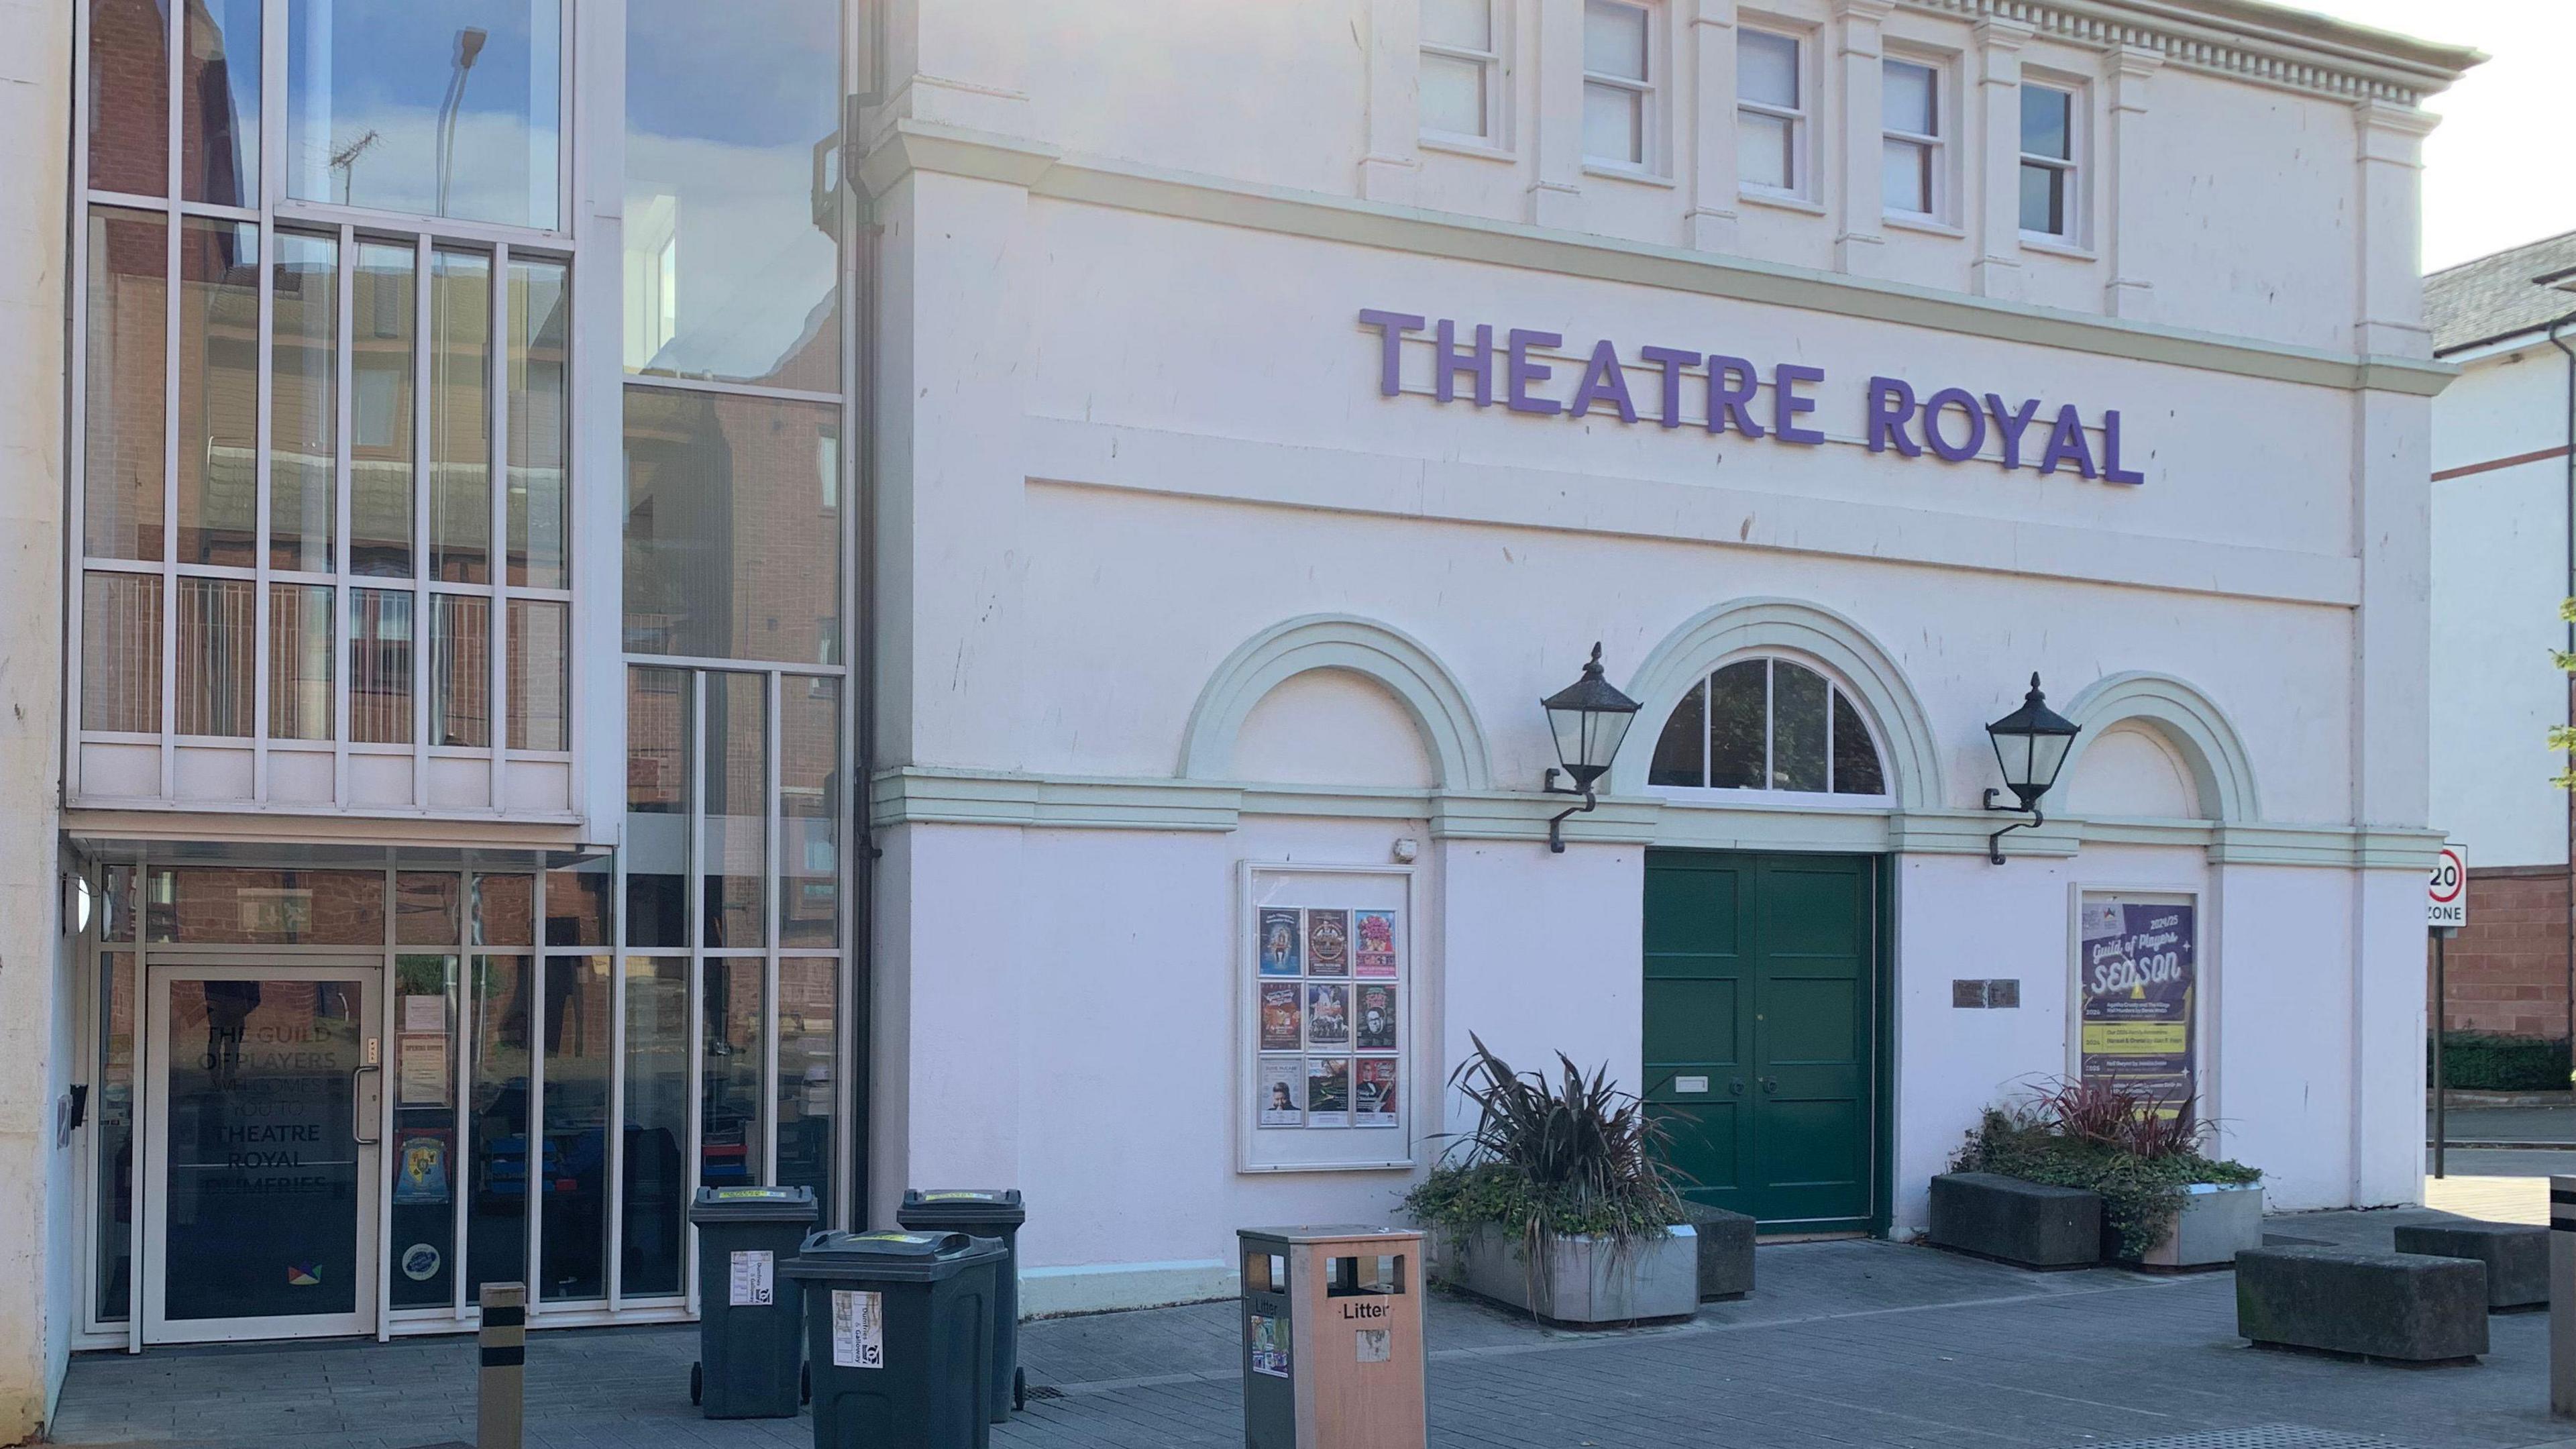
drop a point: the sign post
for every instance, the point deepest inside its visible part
(2446, 910)
(2562, 1297)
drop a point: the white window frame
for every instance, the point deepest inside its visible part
(1495, 62)
(2071, 164)
(1936, 142)
(1649, 92)
(1828, 798)
(1802, 168)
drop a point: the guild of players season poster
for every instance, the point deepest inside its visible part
(2137, 979)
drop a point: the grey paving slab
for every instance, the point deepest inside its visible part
(1859, 1344)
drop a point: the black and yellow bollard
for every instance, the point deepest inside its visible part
(502, 1383)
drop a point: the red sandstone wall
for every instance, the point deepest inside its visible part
(2508, 969)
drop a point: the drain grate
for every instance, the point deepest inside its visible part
(1044, 1391)
(2263, 1436)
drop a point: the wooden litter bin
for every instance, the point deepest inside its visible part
(1332, 1338)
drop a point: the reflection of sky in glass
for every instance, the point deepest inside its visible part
(368, 83)
(727, 273)
(222, 102)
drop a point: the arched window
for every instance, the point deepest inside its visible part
(1768, 724)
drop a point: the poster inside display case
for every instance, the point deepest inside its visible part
(1325, 966)
(2137, 990)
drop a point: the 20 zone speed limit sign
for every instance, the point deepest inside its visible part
(2446, 899)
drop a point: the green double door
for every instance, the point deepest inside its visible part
(1761, 1032)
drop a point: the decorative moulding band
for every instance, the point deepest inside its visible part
(919, 796)
(1046, 171)
(2306, 53)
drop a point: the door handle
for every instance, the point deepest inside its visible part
(356, 1117)
(1735, 1087)
(1770, 1084)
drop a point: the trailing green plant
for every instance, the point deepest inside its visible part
(2478, 1061)
(1575, 1155)
(2112, 1139)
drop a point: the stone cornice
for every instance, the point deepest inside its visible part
(2242, 40)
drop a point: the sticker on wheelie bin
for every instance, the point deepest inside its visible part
(858, 1328)
(909, 1240)
(752, 1284)
(960, 1195)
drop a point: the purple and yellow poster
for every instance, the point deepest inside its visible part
(2136, 976)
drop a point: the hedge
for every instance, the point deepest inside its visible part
(2480, 1061)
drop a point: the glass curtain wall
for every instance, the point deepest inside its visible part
(307, 429)
(735, 875)
(549, 1103)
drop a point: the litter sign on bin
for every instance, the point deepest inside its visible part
(753, 1281)
(858, 1328)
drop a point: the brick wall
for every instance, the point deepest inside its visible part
(2508, 969)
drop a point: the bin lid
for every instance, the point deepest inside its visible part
(752, 1205)
(890, 1257)
(961, 1207)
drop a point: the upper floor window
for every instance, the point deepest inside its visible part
(1911, 157)
(432, 107)
(1770, 111)
(732, 257)
(1461, 70)
(320, 453)
(2048, 165)
(1619, 83)
(1768, 724)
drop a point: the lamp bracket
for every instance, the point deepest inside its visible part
(1556, 822)
(1995, 842)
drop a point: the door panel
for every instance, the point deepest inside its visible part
(1760, 977)
(1698, 1033)
(260, 1152)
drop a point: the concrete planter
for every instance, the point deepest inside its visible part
(2028, 1224)
(2218, 1221)
(1579, 1281)
(1725, 1251)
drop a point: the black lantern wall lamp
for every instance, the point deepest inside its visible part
(1589, 719)
(2031, 745)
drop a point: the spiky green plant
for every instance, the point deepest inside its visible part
(1571, 1156)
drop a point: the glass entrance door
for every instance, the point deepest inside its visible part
(260, 1173)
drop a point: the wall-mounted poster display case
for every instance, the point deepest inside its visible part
(2137, 994)
(1324, 974)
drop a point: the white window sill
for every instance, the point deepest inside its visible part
(1928, 225)
(1468, 146)
(2055, 246)
(1786, 201)
(1614, 171)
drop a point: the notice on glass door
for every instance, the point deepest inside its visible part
(751, 1285)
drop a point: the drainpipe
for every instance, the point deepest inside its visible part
(2557, 340)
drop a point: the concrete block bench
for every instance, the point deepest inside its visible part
(2026, 1223)
(1725, 1251)
(2403, 1307)
(2516, 1255)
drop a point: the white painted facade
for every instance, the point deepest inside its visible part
(1158, 587)
(2500, 568)
(1163, 577)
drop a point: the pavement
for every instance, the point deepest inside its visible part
(1845, 1343)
